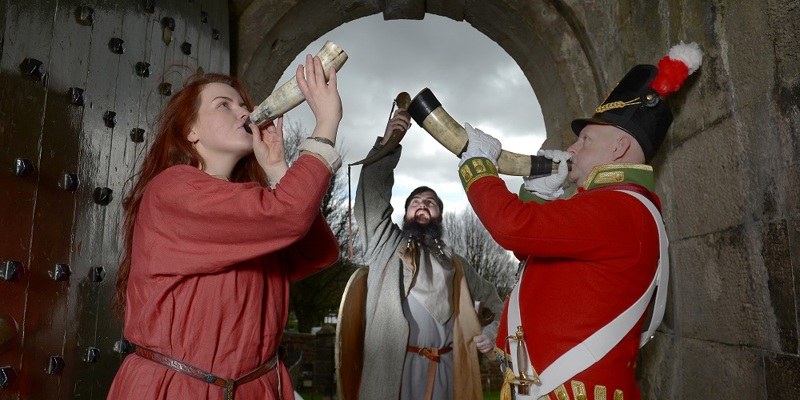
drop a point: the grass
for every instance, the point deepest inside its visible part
(491, 395)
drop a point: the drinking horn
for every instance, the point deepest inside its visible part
(289, 96)
(403, 100)
(426, 111)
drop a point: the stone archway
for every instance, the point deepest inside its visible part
(544, 42)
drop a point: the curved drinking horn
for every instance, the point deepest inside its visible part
(426, 111)
(289, 96)
(403, 100)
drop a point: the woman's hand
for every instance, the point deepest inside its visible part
(322, 97)
(268, 148)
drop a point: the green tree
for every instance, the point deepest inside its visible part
(465, 234)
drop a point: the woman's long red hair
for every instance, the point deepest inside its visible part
(171, 147)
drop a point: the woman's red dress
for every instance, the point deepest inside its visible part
(209, 281)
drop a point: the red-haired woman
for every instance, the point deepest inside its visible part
(216, 226)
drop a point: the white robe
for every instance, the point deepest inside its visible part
(425, 331)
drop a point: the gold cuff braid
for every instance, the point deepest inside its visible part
(474, 169)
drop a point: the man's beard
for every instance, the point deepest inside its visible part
(425, 233)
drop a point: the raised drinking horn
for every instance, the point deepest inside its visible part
(426, 111)
(289, 96)
(403, 100)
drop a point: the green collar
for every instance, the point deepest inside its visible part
(607, 174)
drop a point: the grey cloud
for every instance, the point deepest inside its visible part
(473, 78)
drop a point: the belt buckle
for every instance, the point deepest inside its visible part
(522, 383)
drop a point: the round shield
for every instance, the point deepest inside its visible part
(349, 354)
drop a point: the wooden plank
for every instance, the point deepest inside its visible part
(220, 48)
(190, 12)
(127, 88)
(48, 301)
(101, 69)
(204, 35)
(22, 103)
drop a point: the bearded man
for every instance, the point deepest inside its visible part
(422, 333)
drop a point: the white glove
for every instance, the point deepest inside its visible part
(480, 145)
(549, 187)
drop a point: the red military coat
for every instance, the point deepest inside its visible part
(589, 258)
(209, 280)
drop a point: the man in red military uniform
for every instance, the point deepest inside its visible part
(572, 327)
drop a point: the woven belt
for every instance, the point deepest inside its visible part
(433, 355)
(227, 385)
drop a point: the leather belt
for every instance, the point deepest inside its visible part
(429, 352)
(433, 355)
(227, 385)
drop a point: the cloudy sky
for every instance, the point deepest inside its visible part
(475, 80)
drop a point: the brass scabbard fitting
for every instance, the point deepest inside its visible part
(522, 382)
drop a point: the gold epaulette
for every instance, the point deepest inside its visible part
(474, 169)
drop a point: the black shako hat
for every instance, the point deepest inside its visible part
(636, 108)
(423, 189)
(636, 104)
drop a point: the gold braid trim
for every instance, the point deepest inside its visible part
(579, 390)
(600, 392)
(505, 390)
(617, 104)
(474, 169)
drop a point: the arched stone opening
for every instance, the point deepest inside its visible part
(539, 35)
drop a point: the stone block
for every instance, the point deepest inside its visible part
(610, 46)
(679, 368)
(794, 254)
(709, 194)
(709, 370)
(748, 54)
(785, 109)
(783, 377)
(657, 362)
(404, 9)
(453, 9)
(776, 251)
(704, 100)
(767, 175)
(723, 289)
(784, 25)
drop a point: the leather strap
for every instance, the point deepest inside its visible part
(227, 385)
(433, 355)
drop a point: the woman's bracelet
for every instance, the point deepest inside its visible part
(322, 140)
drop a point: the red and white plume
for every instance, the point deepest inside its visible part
(683, 59)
